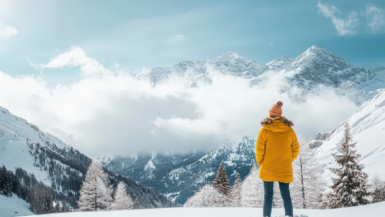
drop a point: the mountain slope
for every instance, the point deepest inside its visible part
(13, 206)
(367, 128)
(179, 175)
(34, 155)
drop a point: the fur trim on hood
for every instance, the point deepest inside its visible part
(269, 120)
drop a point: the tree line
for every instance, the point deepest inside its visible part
(41, 198)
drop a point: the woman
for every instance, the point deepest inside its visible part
(277, 147)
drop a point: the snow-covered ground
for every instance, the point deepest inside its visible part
(13, 206)
(372, 210)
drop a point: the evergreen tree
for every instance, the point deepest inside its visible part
(236, 191)
(40, 199)
(95, 193)
(121, 199)
(378, 190)
(252, 189)
(350, 185)
(308, 185)
(221, 182)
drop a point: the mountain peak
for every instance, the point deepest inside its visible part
(229, 54)
(318, 54)
(316, 49)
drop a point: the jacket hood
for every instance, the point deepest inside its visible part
(277, 124)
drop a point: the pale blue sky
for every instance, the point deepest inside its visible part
(143, 33)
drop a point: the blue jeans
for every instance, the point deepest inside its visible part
(268, 202)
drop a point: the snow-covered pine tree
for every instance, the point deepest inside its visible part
(252, 189)
(308, 185)
(221, 182)
(378, 189)
(95, 193)
(236, 191)
(121, 199)
(350, 185)
(207, 196)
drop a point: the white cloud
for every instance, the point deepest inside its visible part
(179, 35)
(272, 45)
(343, 27)
(74, 57)
(7, 31)
(376, 19)
(116, 113)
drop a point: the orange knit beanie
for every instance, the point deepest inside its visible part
(276, 109)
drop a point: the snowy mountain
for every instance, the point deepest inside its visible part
(316, 66)
(367, 128)
(227, 63)
(35, 156)
(178, 175)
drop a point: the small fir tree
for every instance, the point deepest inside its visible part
(350, 185)
(221, 182)
(95, 193)
(236, 191)
(121, 199)
(378, 189)
(252, 189)
(307, 188)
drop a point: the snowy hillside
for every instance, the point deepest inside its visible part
(15, 135)
(178, 175)
(367, 128)
(372, 210)
(13, 206)
(35, 156)
(316, 66)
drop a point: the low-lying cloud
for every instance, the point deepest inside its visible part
(116, 113)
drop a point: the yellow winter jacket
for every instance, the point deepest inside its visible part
(277, 147)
